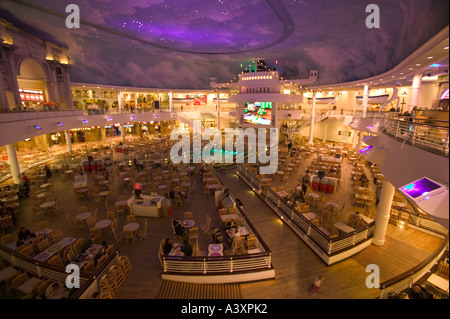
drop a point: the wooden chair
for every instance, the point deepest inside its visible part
(42, 225)
(109, 250)
(56, 260)
(239, 221)
(56, 235)
(37, 213)
(27, 250)
(252, 242)
(193, 233)
(89, 267)
(189, 215)
(18, 280)
(238, 246)
(101, 260)
(91, 221)
(144, 233)
(117, 237)
(129, 235)
(43, 244)
(125, 264)
(111, 215)
(7, 223)
(83, 209)
(178, 200)
(443, 270)
(207, 227)
(80, 223)
(131, 218)
(78, 246)
(96, 232)
(8, 239)
(41, 287)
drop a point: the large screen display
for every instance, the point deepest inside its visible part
(420, 187)
(258, 113)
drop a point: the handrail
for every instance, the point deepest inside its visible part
(266, 248)
(422, 133)
(96, 276)
(329, 246)
(220, 265)
(35, 267)
(406, 279)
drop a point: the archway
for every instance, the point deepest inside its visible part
(32, 81)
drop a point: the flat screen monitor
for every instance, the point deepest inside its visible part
(258, 113)
(422, 189)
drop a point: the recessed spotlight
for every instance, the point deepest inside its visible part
(85, 121)
(418, 64)
(446, 48)
(430, 57)
(60, 124)
(37, 127)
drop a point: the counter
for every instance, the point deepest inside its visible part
(148, 206)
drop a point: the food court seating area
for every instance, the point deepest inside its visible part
(334, 192)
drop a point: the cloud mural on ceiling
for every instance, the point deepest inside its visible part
(181, 44)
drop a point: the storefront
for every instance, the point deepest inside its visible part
(32, 99)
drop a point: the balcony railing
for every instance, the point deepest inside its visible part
(428, 134)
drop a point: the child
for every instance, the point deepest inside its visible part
(315, 287)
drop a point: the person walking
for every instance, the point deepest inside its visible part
(315, 286)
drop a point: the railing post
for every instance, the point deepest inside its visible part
(446, 144)
(231, 264)
(270, 260)
(164, 264)
(396, 131)
(204, 265)
(38, 270)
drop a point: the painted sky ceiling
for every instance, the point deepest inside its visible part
(181, 43)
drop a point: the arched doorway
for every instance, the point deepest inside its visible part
(32, 80)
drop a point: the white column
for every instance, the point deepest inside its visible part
(359, 141)
(122, 128)
(415, 91)
(325, 131)
(383, 213)
(68, 141)
(365, 100)
(119, 99)
(103, 131)
(218, 110)
(313, 113)
(13, 163)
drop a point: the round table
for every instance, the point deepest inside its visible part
(103, 223)
(83, 216)
(105, 193)
(68, 172)
(47, 204)
(187, 223)
(103, 182)
(42, 195)
(314, 195)
(46, 185)
(132, 226)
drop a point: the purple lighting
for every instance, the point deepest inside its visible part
(365, 150)
(420, 187)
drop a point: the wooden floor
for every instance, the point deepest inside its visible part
(296, 265)
(181, 290)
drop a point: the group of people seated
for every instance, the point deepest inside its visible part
(186, 247)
